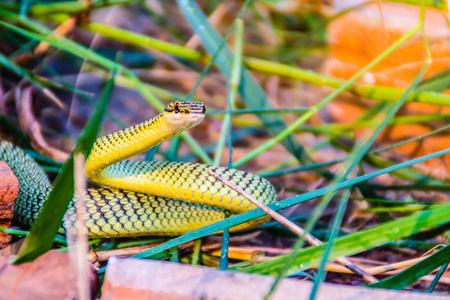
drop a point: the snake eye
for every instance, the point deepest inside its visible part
(203, 110)
(176, 108)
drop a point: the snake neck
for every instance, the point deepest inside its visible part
(120, 145)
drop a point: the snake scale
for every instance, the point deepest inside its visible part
(143, 198)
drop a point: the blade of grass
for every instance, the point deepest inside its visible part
(234, 81)
(339, 127)
(437, 277)
(439, 4)
(223, 264)
(355, 156)
(360, 150)
(251, 93)
(383, 94)
(58, 238)
(143, 40)
(359, 241)
(63, 43)
(41, 235)
(287, 131)
(413, 244)
(233, 85)
(331, 237)
(197, 251)
(281, 110)
(437, 83)
(376, 93)
(409, 187)
(304, 168)
(410, 174)
(256, 213)
(31, 77)
(414, 273)
(57, 7)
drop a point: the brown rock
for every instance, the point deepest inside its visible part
(51, 276)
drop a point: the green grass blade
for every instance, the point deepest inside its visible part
(378, 93)
(337, 221)
(256, 213)
(281, 110)
(439, 4)
(437, 277)
(250, 91)
(381, 149)
(410, 174)
(234, 81)
(233, 84)
(306, 116)
(40, 238)
(143, 40)
(412, 244)
(81, 51)
(361, 148)
(197, 251)
(437, 83)
(414, 273)
(56, 7)
(31, 77)
(357, 242)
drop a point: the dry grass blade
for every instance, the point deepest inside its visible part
(63, 29)
(102, 256)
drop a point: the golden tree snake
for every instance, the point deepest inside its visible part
(140, 197)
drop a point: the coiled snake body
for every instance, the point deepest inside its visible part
(144, 198)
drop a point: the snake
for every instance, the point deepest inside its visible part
(137, 198)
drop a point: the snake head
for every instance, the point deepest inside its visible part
(182, 115)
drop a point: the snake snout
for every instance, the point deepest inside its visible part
(182, 115)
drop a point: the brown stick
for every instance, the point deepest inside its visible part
(296, 229)
(100, 256)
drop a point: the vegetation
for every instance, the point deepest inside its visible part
(250, 61)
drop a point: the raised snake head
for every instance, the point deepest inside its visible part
(182, 115)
